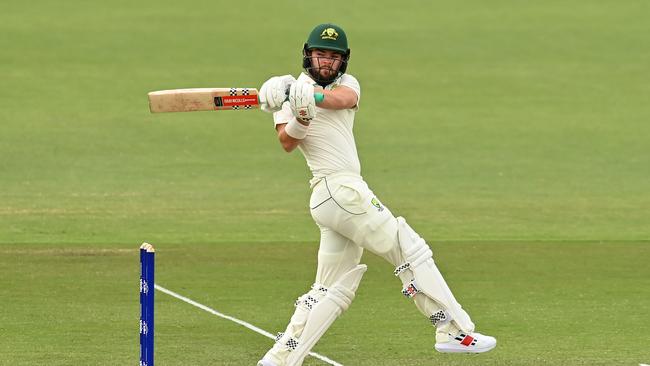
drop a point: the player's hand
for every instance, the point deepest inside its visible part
(274, 92)
(301, 100)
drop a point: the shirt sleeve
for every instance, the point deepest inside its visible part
(284, 115)
(352, 83)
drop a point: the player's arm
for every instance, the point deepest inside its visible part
(292, 122)
(288, 143)
(340, 98)
(291, 129)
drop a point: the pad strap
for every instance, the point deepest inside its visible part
(414, 257)
(286, 341)
(439, 317)
(411, 290)
(308, 301)
(401, 268)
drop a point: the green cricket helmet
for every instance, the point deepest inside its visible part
(326, 37)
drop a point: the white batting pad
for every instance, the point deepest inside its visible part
(322, 315)
(427, 279)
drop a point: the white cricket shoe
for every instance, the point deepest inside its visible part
(467, 343)
(264, 362)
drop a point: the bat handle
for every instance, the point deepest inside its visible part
(318, 97)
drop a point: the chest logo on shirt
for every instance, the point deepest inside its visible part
(375, 202)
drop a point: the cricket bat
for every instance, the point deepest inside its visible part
(207, 99)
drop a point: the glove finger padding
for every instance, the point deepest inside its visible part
(280, 89)
(301, 100)
(266, 96)
(273, 92)
(284, 84)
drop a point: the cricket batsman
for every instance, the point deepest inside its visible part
(350, 217)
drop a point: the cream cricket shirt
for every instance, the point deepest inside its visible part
(329, 146)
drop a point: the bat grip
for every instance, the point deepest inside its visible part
(318, 97)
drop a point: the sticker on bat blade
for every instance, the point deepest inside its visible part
(239, 100)
(232, 101)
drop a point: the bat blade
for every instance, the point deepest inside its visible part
(203, 99)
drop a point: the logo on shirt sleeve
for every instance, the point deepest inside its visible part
(375, 202)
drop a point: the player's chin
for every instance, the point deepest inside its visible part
(327, 73)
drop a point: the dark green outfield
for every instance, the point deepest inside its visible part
(513, 135)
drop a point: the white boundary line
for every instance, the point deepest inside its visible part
(235, 320)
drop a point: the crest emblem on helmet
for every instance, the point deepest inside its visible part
(329, 33)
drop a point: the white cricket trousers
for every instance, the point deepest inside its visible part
(350, 219)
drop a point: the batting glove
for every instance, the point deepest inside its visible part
(274, 92)
(301, 100)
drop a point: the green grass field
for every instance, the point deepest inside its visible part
(512, 135)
